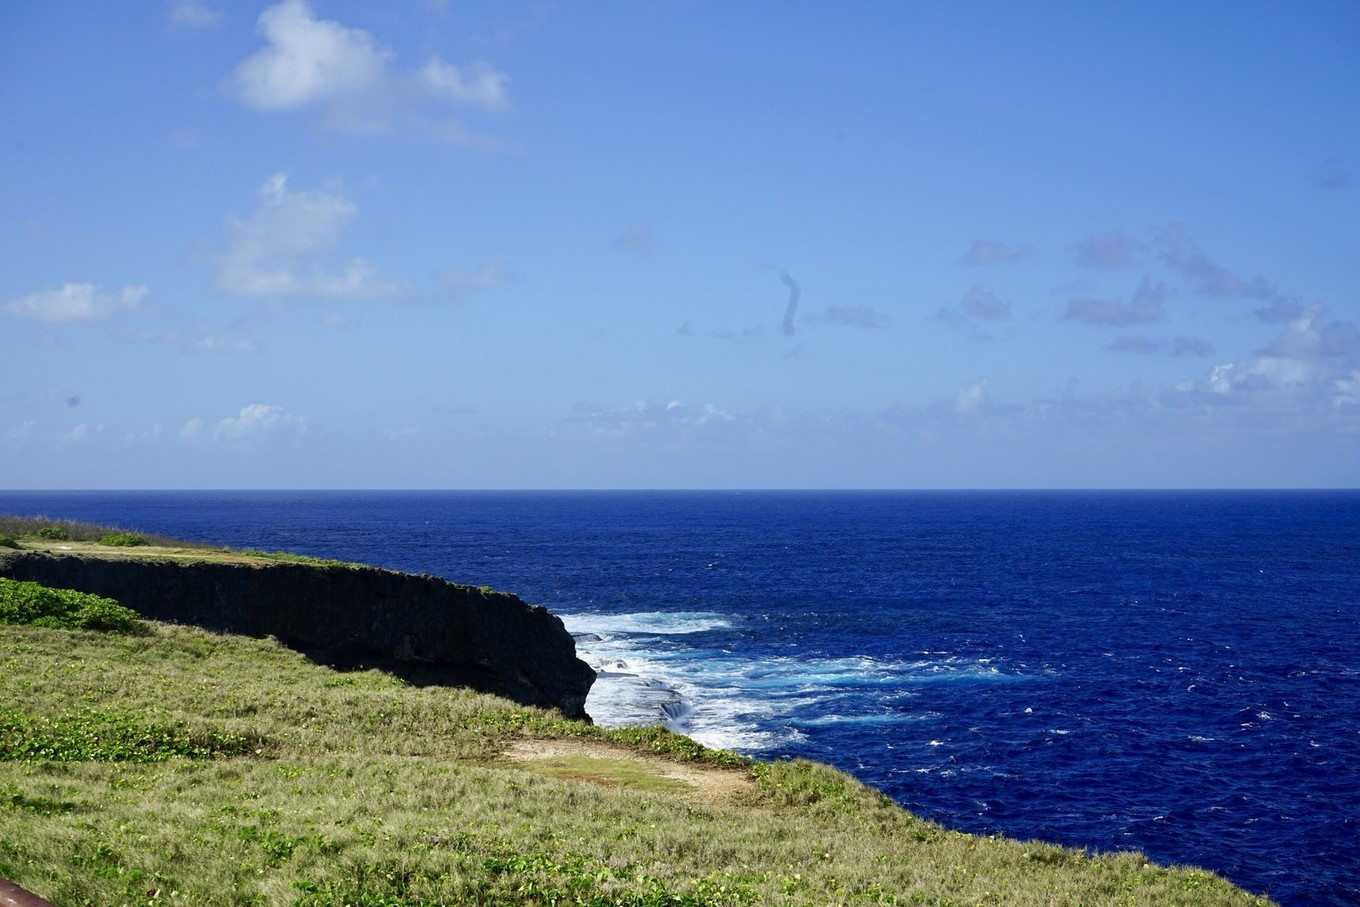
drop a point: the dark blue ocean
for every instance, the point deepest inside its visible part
(1172, 672)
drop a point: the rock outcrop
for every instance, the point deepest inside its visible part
(423, 628)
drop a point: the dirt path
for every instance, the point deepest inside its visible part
(615, 767)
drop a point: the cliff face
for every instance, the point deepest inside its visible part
(421, 627)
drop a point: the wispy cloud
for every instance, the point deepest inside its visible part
(75, 302)
(192, 341)
(1107, 250)
(255, 422)
(1183, 256)
(991, 252)
(461, 284)
(859, 316)
(1145, 305)
(650, 416)
(1178, 346)
(971, 398)
(195, 14)
(1191, 346)
(313, 63)
(275, 253)
(636, 237)
(1141, 345)
(1333, 174)
(978, 304)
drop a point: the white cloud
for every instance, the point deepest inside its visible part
(192, 430)
(77, 434)
(1347, 390)
(319, 63)
(479, 85)
(971, 398)
(1308, 365)
(307, 60)
(190, 341)
(1306, 338)
(273, 253)
(20, 435)
(75, 302)
(255, 422)
(647, 416)
(193, 14)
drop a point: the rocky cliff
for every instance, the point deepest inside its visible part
(421, 627)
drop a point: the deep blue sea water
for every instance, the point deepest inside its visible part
(1172, 672)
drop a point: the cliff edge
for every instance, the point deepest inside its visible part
(423, 628)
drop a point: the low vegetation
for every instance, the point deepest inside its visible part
(30, 603)
(21, 529)
(123, 540)
(290, 558)
(175, 765)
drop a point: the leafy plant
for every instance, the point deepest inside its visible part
(123, 540)
(7, 542)
(32, 603)
(91, 735)
(52, 533)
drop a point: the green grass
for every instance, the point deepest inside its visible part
(182, 766)
(290, 558)
(44, 528)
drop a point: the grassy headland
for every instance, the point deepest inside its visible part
(175, 765)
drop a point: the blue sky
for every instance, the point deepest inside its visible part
(668, 244)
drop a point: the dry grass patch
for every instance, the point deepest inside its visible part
(580, 760)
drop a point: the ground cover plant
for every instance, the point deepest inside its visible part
(176, 765)
(31, 603)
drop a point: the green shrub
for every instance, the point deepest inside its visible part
(53, 533)
(123, 540)
(31, 603)
(7, 542)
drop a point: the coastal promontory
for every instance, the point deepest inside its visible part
(423, 628)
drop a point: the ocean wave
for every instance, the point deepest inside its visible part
(650, 670)
(644, 623)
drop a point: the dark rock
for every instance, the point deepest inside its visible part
(422, 628)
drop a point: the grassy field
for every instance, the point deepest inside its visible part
(174, 765)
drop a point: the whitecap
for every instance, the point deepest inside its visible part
(652, 670)
(649, 623)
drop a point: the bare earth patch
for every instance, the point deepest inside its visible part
(596, 763)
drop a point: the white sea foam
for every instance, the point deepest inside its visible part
(659, 623)
(651, 669)
(649, 672)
